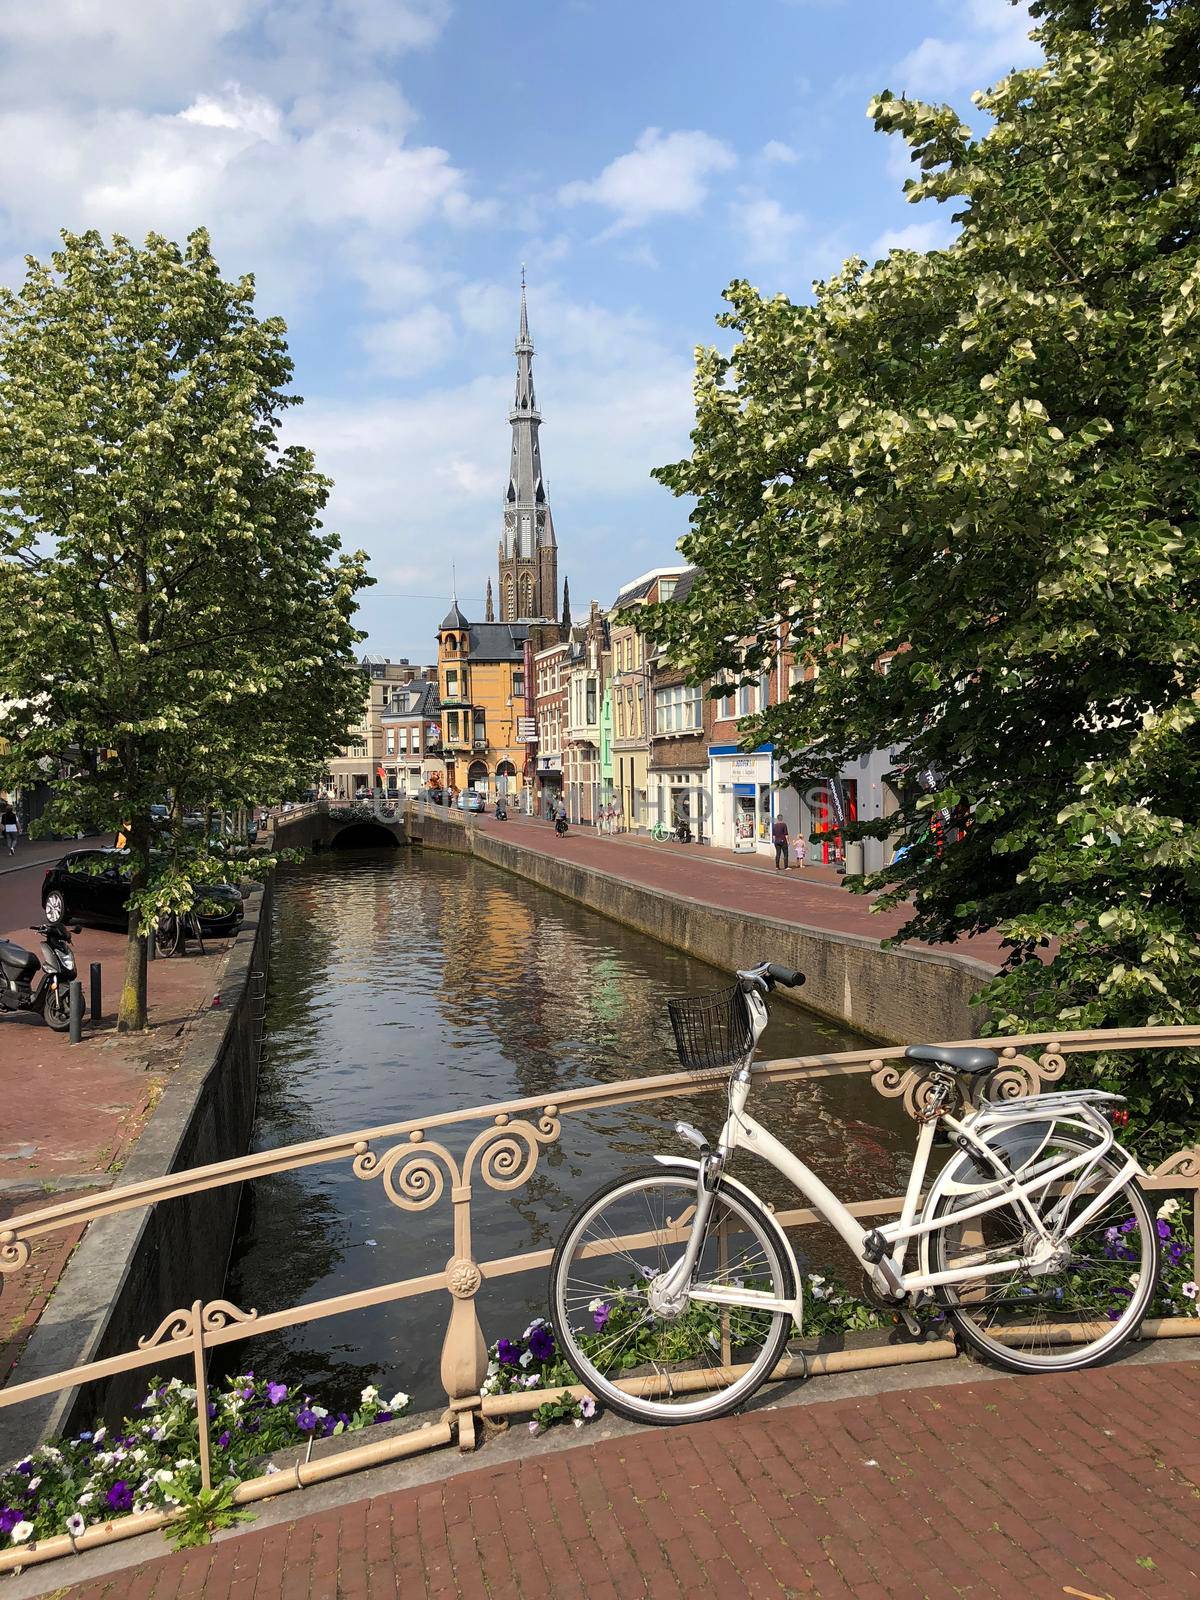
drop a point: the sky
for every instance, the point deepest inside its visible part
(384, 168)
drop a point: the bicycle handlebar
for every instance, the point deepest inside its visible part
(769, 973)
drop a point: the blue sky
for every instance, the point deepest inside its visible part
(385, 166)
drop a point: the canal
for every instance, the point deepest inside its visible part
(408, 983)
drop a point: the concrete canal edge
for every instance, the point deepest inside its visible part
(130, 1270)
(902, 996)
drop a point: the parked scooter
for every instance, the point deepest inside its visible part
(45, 987)
(501, 811)
(560, 827)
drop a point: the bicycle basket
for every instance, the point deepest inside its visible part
(712, 1030)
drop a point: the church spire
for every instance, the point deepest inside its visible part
(489, 614)
(528, 552)
(566, 611)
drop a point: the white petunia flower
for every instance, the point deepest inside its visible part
(85, 1499)
(369, 1395)
(596, 1304)
(1191, 1290)
(20, 1532)
(398, 1401)
(1134, 1279)
(75, 1525)
(319, 1411)
(33, 1482)
(271, 1469)
(526, 1358)
(1167, 1210)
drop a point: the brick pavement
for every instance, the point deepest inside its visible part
(811, 896)
(72, 1112)
(1081, 1485)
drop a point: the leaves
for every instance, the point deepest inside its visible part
(177, 624)
(990, 458)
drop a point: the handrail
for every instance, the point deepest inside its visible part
(416, 1170)
(1015, 1063)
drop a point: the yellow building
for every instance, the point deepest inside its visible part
(481, 681)
(631, 726)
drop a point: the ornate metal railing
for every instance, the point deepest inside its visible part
(416, 1171)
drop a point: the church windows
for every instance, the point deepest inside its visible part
(526, 594)
(509, 601)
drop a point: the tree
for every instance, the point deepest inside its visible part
(174, 619)
(984, 458)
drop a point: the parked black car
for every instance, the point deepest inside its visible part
(93, 886)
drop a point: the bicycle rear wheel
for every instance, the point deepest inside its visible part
(706, 1359)
(1073, 1312)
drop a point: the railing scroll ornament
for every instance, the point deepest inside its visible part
(414, 1175)
(1017, 1075)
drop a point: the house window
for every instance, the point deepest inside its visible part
(391, 741)
(478, 731)
(452, 684)
(452, 726)
(402, 745)
(519, 685)
(677, 709)
(590, 713)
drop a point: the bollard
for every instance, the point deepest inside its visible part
(97, 1007)
(76, 1003)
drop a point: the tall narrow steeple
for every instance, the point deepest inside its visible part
(528, 553)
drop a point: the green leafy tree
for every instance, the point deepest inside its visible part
(985, 460)
(175, 622)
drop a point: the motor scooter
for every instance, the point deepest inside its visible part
(42, 987)
(501, 812)
(560, 827)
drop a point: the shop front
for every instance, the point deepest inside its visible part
(743, 799)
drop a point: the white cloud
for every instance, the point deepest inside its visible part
(663, 175)
(416, 342)
(776, 150)
(935, 234)
(768, 232)
(996, 39)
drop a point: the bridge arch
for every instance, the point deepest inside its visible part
(364, 836)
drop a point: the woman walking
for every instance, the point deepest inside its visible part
(11, 827)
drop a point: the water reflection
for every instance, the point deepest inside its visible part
(412, 983)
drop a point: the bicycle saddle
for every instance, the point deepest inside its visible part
(968, 1059)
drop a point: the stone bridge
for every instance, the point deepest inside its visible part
(337, 827)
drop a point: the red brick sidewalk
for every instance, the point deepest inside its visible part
(1084, 1485)
(812, 896)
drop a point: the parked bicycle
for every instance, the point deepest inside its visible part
(659, 831)
(674, 1290)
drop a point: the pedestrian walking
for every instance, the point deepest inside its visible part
(779, 838)
(800, 849)
(11, 827)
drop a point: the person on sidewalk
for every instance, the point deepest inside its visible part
(779, 838)
(800, 849)
(8, 821)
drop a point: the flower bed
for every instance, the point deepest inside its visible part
(152, 1462)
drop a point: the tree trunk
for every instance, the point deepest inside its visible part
(131, 1013)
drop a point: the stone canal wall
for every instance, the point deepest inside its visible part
(901, 996)
(130, 1270)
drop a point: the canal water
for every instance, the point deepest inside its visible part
(407, 983)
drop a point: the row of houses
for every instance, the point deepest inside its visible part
(626, 742)
(592, 714)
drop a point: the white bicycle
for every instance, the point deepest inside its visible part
(674, 1290)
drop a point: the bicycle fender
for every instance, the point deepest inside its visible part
(693, 1170)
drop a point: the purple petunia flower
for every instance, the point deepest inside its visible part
(212, 1409)
(384, 1416)
(120, 1496)
(276, 1392)
(306, 1419)
(223, 1439)
(247, 1394)
(1128, 1227)
(8, 1519)
(588, 1406)
(507, 1353)
(600, 1316)
(1176, 1254)
(541, 1343)
(1164, 1229)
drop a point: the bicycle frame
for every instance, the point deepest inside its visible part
(883, 1251)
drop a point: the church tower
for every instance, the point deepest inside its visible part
(528, 553)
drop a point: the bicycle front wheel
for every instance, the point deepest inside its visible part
(1072, 1311)
(704, 1359)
